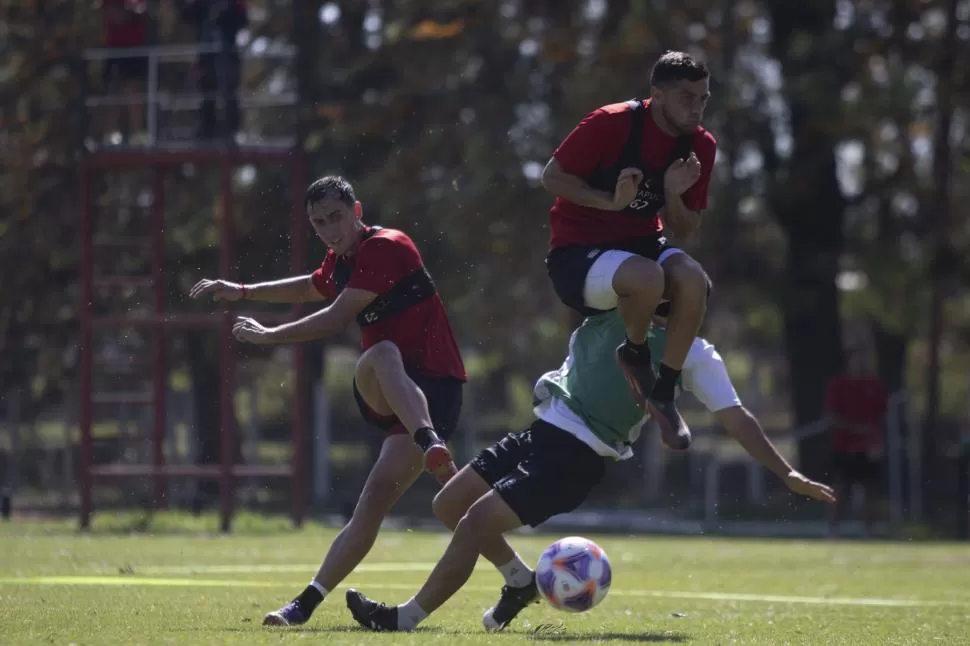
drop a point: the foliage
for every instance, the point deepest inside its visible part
(442, 114)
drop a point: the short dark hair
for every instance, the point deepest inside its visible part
(331, 187)
(677, 66)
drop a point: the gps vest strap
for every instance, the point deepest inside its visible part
(650, 197)
(410, 290)
(407, 292)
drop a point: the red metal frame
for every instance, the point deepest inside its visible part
(161, 321)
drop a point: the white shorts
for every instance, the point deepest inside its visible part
(706, 377)
(598, 291)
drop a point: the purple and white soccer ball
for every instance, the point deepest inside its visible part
(574, 574)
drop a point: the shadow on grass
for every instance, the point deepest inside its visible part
(542, 632)
(320, 630)
(557, 632)
(642, 638)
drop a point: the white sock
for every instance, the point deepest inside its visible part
(409, 615)
(322, 590)
(517, 574)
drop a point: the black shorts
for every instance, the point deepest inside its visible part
(444, 395)
(856, 468)
(126, 69)
(569, 265)
(540, 472)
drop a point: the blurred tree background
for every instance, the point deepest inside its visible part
(837, 211)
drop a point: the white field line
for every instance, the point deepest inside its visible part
(284, 568)
(137, 580)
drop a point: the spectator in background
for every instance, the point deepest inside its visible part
(856, 406)
(218, 22)
(125, 25)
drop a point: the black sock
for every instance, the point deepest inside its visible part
(309, 599)
(425, 437)
(666, 383)
(638, 351)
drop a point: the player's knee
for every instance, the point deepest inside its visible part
(687, 278)
(475, 526)
(447, 508)
(639, 276)
(382, 354)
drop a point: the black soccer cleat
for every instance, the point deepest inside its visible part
(510, 604)
(674, 431)
(370, 614)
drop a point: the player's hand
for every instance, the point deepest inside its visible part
(802, 485)
(681, 175)
(627, 185)
(221, 290)
(250, 330)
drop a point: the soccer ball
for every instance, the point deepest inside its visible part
(574, 574)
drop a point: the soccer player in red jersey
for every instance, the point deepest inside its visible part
(408, 381)
(627, 174)
(856, 404)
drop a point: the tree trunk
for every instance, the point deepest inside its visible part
(944, 260)
(808, 203)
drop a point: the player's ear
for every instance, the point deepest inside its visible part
(358, 210)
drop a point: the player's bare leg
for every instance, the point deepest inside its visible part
(450, 506)
(639, 285)
(388, 390)
(686, 287)
(396, 469)
(489, 517)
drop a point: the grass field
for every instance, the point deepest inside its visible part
(177, 585)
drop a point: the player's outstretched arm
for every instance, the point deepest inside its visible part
(745, 429)
(298, 289)
(707, 378)
(326, 322)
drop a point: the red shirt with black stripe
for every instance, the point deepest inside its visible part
(860, 404)
(597, 142)
(422, 332)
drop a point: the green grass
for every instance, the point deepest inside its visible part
(167, 579)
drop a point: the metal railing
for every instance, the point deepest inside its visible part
(156, 98)
(896, 454)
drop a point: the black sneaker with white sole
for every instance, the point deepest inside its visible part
(371, 614)
(510, 604)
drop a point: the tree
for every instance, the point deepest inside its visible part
(807, 201)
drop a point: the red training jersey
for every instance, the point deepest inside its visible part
(125, 23)
(597, 142)
(422, 332)
(857, 401)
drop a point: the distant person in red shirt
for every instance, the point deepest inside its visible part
(627, 174)
(408, 381)
(856, 405)
(125, 25)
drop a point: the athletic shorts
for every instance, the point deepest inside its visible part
(583, 275)
(444, 395)
(540, 472)
(856, 468)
